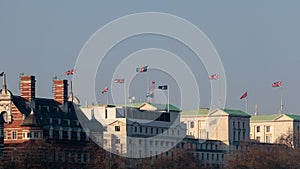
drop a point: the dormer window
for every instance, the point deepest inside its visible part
(61, 133)
(59, 121)
(78, 134)
(51, 132)
(68, 122)
(50, 120)
(69, 133)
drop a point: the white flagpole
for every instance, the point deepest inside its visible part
(246, 105)
(281, 100)
(107, 97)
(125, 97)
(168, 97)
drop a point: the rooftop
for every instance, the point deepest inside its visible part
(271, 117)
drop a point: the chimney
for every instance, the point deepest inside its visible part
(27, 87)
(60, 90)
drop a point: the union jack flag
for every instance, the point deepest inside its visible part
(214, 77)
(277, 84)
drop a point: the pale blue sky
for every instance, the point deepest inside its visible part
(258, 43)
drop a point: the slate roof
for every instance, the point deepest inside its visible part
(44, 109)
(232, 112)
(31, 120)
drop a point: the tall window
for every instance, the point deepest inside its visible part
(14, 135)
(268, 128)
(106, 113)
(258, 129)
(233, 124)
(192, 124)
(233, 135)
(258, 138)
(268, 139)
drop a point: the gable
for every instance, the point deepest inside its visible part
(117, 123)
(283, 117)
(147, 106)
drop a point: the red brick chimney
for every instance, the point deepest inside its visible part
(60, 90)
(27, 87)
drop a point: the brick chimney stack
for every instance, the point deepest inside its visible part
(27, 87)
(60, 90)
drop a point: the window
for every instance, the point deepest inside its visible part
(217, 156)
(117, 141)
(192, 124)
(106, 113)
(14, 135)
(239, 136)
(244, 135)
(5, 135)
(233, 135)
(24, 134)
(243, 125)
(36, 135)
(258, 129)
(268, 128)
(207, 156)
(151, 130)
(135, 129)
(151, 142)
(162, 143)
(233, 124)
(258, 138)
(141, 129)
(140, 141)
(238, 124)
(117, 128)
(268, 139)
(156, 130)
(146, 130)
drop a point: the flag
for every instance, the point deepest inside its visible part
(119, 80)
(163, 87)
(70, 72)
(214, 77)
(277, 84)
(244, 95)
(142, 69)
(151, 95)
(1, 74)
(105, 89)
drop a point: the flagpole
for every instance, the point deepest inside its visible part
(246, 105)
(125, 97)
(148, 78)
(107, 97)
(281, 100)
(168, 97)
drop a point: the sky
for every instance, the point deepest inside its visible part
(257, 42)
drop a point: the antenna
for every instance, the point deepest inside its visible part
(255, 110)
